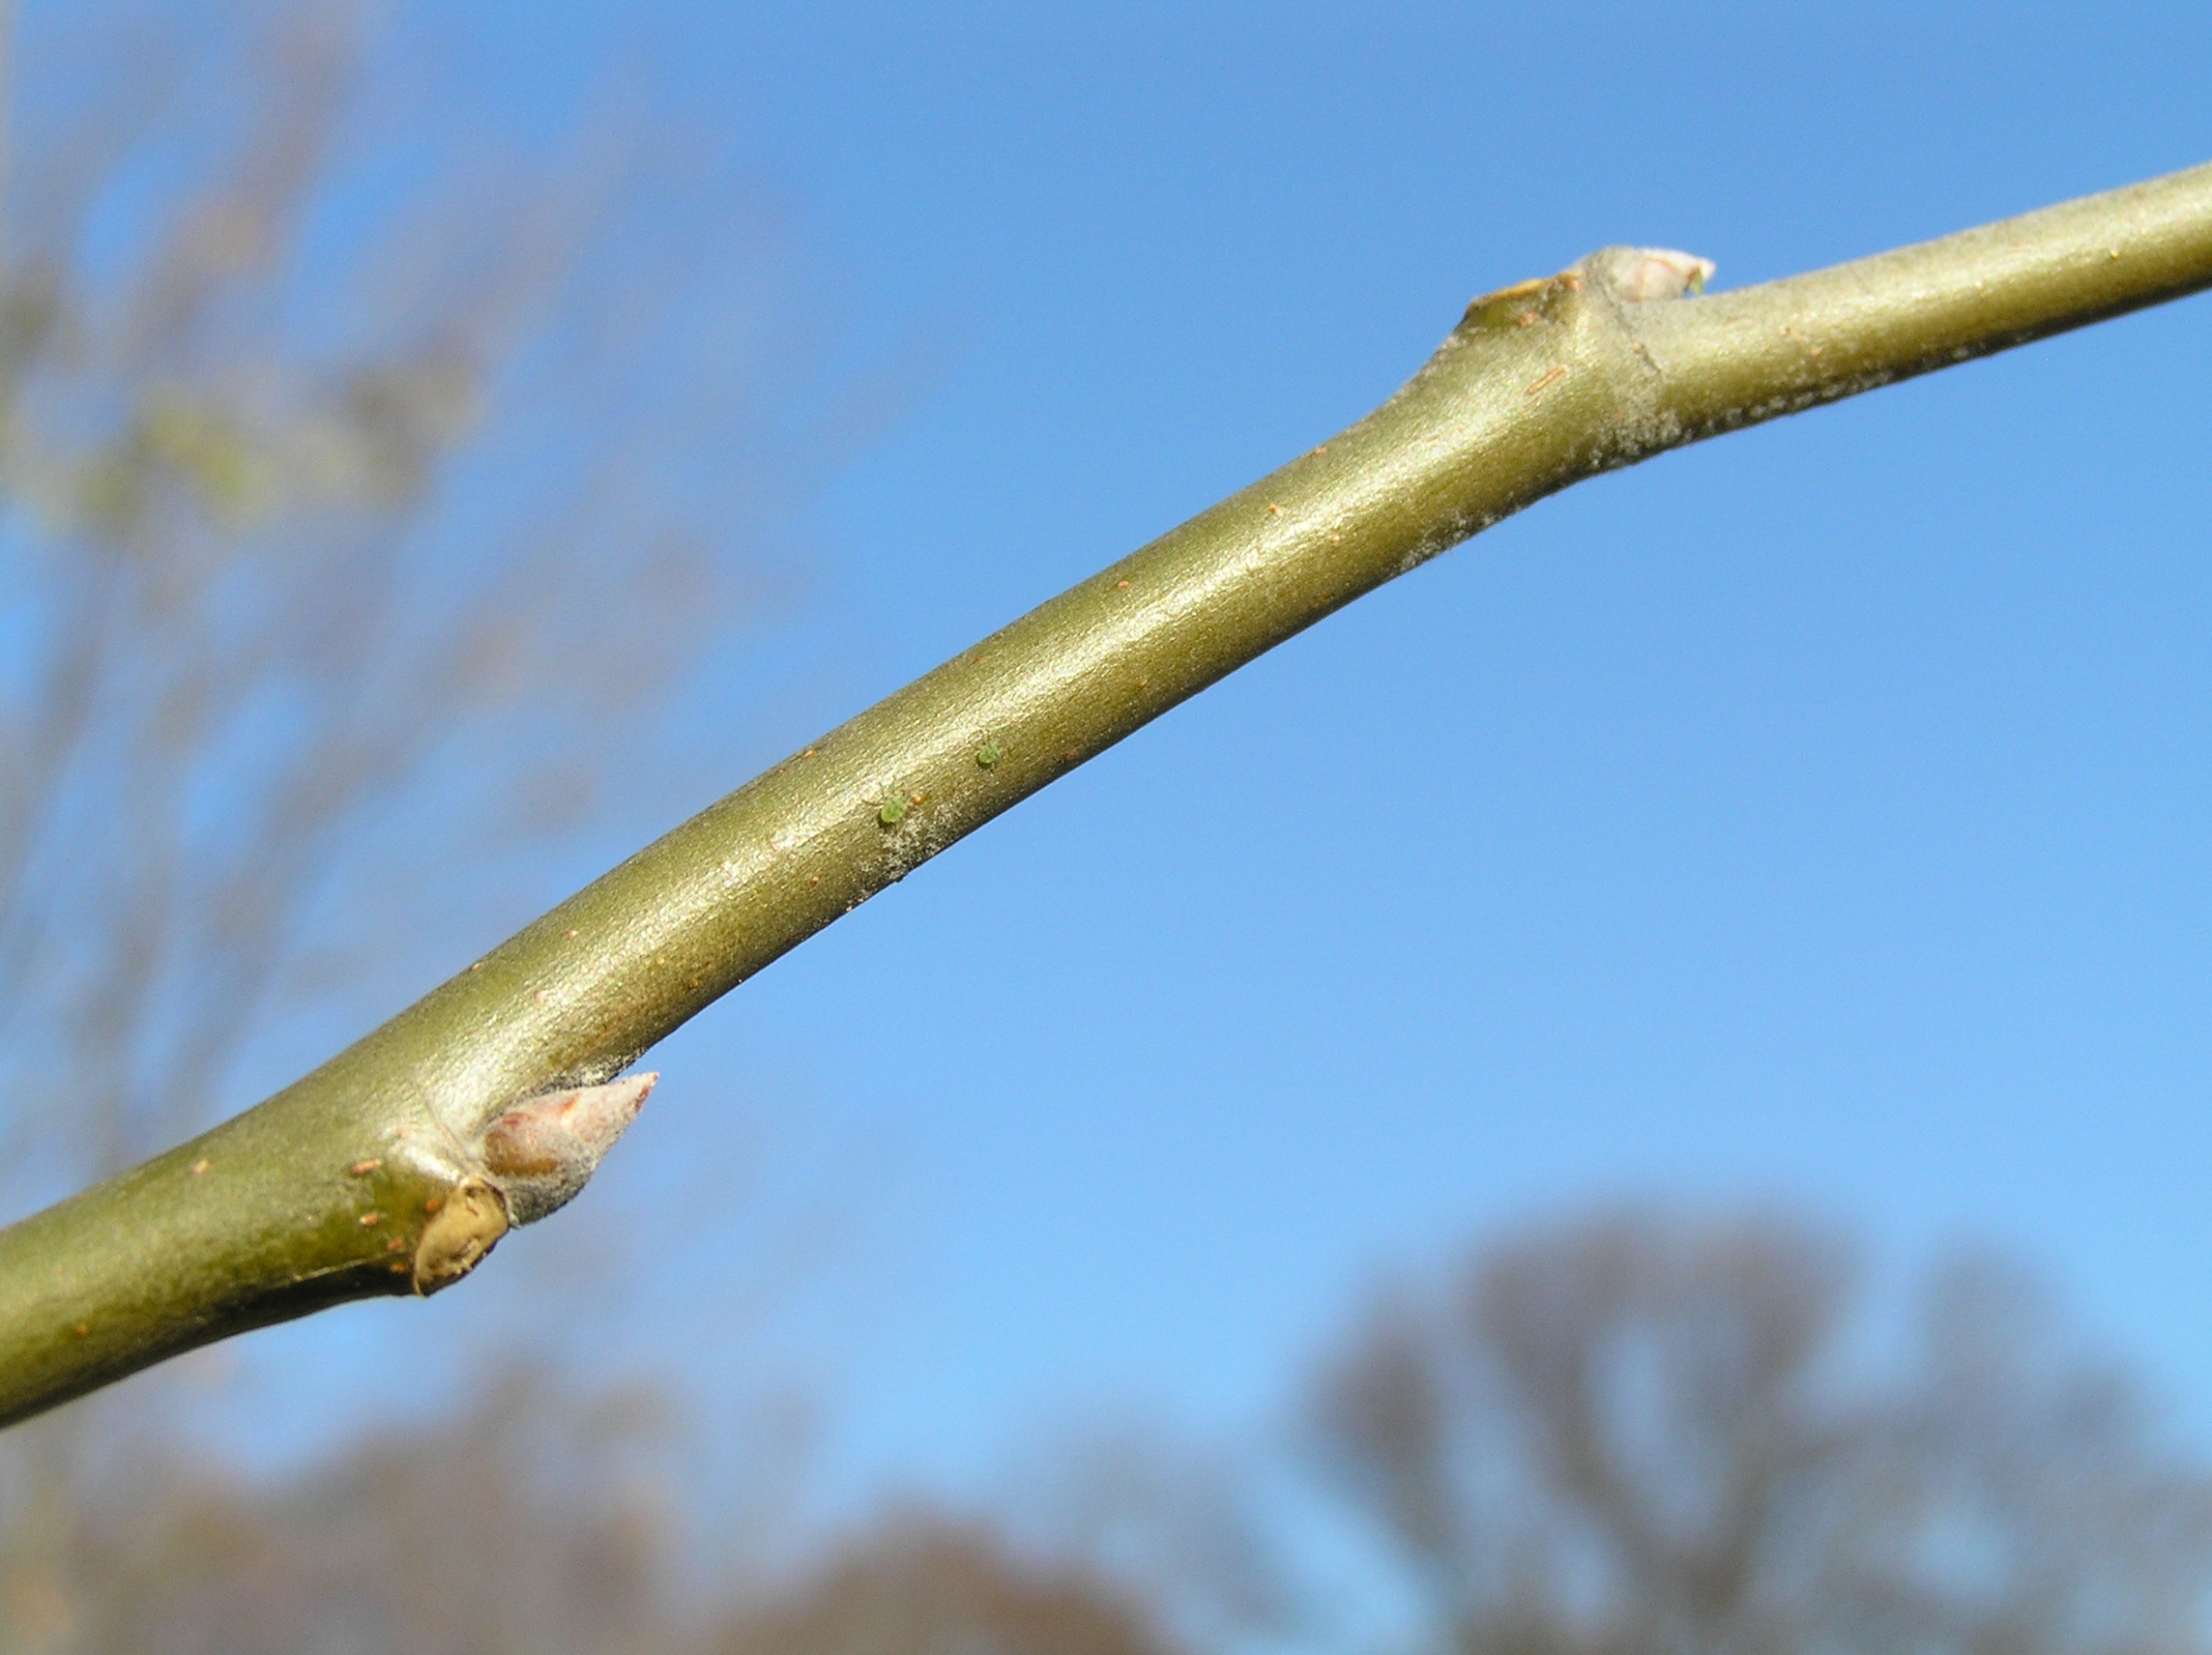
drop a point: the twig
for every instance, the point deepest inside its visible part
(397, 1165)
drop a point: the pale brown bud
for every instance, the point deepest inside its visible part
(1639, 274)
(541, 1152)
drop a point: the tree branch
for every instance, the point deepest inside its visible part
(395, 1166)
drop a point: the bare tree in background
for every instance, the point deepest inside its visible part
(1642, 1436)
(244, 606)
(534, 1522)
(925, 1585)
(1615, 1437)
(353, 503)
(531, 1522)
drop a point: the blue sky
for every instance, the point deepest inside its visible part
(1817, 816)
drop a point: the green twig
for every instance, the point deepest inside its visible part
(396, 1165)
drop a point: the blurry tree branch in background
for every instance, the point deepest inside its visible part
(1637, 1433)
(918, 1584)
(1638, 1436)
(355, 512)
(567, 1506)
(1172, 1521)
(237, 386)
(532, 1521)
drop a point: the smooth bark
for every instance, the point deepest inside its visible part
(381, 1172)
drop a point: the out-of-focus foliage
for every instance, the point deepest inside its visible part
(1641, 1436)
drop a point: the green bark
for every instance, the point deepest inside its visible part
(369, 1176)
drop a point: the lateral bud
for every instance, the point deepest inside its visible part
(1636, 276)
(541, 1152)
